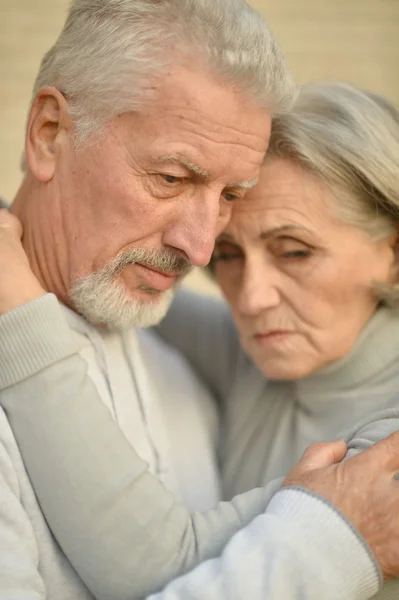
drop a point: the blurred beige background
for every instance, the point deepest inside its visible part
(352, 40)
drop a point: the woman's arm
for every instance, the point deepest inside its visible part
(202, 328)
(373, 428)
(120, 528)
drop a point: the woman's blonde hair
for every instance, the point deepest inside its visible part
(350, 139)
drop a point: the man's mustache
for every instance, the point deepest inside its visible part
(165, 261)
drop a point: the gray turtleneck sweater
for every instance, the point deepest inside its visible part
(266, 428)
(268, 424)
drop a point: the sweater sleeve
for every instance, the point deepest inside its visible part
(202, 328)
(367, 432)
(19, 557)
(373, 428)
(300, 549)
(120, 528)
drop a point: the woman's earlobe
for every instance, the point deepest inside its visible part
(394, 241)
(394, 244)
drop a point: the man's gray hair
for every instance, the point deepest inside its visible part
(108, 51)
(350, 139)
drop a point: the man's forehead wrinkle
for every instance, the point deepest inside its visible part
(255, 143)
(200, 122)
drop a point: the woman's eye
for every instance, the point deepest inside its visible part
(226, 257)
(296, 254)
(226, 254)
(288, 248)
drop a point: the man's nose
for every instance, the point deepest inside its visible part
(258, 291)
(194, 229)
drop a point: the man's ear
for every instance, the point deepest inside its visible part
(49, 125)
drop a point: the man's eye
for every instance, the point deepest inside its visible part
(171, 178)
(230, 196)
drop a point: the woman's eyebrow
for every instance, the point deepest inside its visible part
(264, 235)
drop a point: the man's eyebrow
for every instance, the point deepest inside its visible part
(245, 185)
(275, 230)
(188, 164)
(203, 173)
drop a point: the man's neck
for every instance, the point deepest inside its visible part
(41, 243)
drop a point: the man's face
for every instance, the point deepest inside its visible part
(146, 200)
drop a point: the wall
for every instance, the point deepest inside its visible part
(352, 40)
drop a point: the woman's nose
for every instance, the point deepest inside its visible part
(257, 293)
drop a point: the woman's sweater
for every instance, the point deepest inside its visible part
(266, 428)
(267, 425)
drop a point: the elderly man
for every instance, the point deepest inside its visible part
(150, 118)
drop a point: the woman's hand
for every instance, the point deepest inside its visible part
(18, 284)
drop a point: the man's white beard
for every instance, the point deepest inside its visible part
(111, 305)
(102, 300)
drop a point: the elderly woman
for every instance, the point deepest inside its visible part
(308, 265)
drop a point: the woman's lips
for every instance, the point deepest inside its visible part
(272, 337)
(157, 280)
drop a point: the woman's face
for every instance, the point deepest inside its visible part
(298, 279)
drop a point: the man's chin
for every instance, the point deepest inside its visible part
(117, 308)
